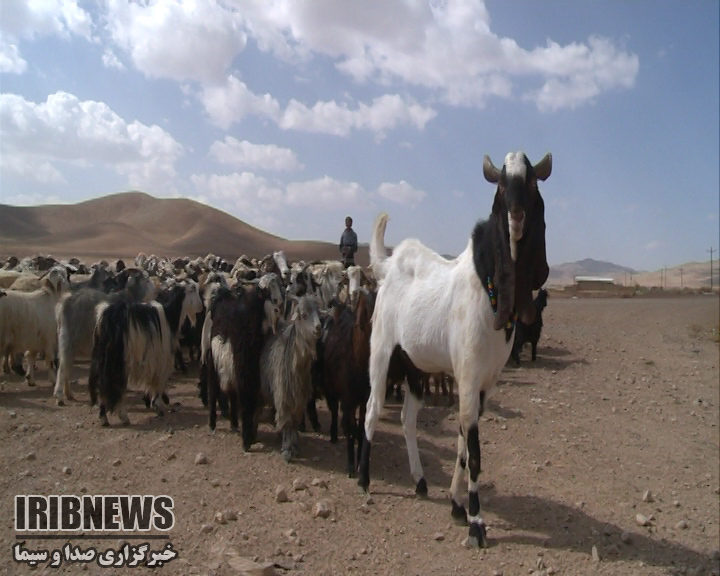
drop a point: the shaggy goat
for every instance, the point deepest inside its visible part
(134, 343)
(457, 316)
(27, 321)
(76, 322)
(240, 320)
(285, 371)
(530, 332)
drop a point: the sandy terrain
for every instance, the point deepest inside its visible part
(122, 225)
(622, 400)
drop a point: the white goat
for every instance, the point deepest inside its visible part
(442, 313)
(27, 321)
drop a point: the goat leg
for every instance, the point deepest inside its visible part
(332, 403)
(312, 415)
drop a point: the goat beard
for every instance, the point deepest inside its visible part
(516, 279)
(504, 274)
(531, 267)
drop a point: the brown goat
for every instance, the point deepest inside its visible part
(345, 366)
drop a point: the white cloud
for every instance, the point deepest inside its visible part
(326, 194)
(187, 40)
(30, 19)
(385, 113)
(64, 130)
(447, 47)
(579, 73)
(231, 102)
(254, 156)
(401, 193)
(10, 60)
(250, 197)
(654, 245)
(45, 18)
(109, 60)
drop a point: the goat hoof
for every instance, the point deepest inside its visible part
(287, 455)
(459, 514)
(421, 489)
(317, 429)
(477, 537)
(126, 423)
(363, 485)
(31, 383)
(104, 423)
(60, 402)
(333, 439)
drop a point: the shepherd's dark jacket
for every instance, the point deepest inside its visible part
(349, 239)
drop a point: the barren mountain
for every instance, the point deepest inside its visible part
(122, 225)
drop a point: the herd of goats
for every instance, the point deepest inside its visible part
(272, 333)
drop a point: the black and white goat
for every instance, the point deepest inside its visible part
(240, 321)
(530, 332)
(134, 344)
(457, 316)
(76, 321)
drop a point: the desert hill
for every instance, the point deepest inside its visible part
(122, 225)
(689, 275)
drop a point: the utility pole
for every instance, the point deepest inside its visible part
(711, 269)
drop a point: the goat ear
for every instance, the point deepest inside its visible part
(543, 169)
(490, 171)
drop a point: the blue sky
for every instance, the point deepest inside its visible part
(290, 115)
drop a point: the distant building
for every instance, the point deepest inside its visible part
(593, 283)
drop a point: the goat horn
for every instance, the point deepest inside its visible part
(490, 171)
(544, 167)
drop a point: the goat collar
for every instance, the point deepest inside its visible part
(493, 302)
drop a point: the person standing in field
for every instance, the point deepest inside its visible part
(348, 244)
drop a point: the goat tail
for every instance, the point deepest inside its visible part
(378, 253)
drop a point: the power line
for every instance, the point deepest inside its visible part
(711, 267)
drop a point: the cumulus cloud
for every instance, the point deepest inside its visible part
(401, 193)
(178, 40)
(385, 113)
(45, 18)
(446, 47)
(31, 19)
(254, 156)
(10, 60)
(109, 60)
(230, 102)
(251, 197)
(64, 130)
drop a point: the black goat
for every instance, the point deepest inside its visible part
(241, 319)
(530, 332)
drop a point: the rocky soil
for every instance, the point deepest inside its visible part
(602, 457)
